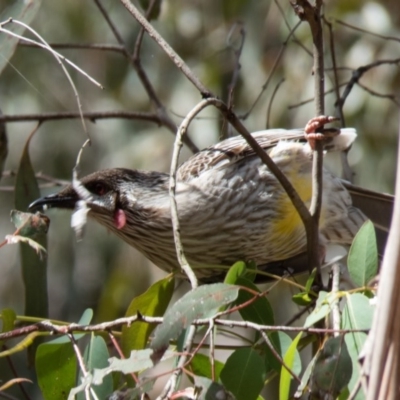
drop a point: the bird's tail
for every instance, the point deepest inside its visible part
(378, 207)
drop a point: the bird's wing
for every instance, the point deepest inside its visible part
(236, 148)
(233, 150)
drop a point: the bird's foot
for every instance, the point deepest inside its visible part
(317, 123)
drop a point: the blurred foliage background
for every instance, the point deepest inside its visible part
(101, 271)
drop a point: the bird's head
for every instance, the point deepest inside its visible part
(107, 194)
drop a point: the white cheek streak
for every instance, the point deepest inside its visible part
(79, 218)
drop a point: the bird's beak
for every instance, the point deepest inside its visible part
(57, 200)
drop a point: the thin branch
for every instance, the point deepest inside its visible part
(173, 56)
(273, 69)
(335, 303)
(57, 329)
(91, 115)
(312, 14)
(135, 62)
(172, 191)
(360, 71)
(278, 85)
(356, 28)
(77, 46)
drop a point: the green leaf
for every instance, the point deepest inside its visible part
(244, 374)
(259, 311)
(238, 269)
(203, 302)
(200, 365)
(332, 370)
(21, 10)
(3, 145)
(28, 224)
(241, 270)
(321, 310)
(363, 255)
(281, 342)
(56, 370)
(286, 377)
(96, 356)
(302, 299)
(8, 316)
(153, 303)
(34, 269)
(357, 314)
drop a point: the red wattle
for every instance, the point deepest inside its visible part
(119, 218)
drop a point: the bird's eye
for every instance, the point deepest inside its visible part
(100, 189)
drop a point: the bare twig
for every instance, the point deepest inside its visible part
(312, 14)
(77, 46)
(356, 28)
(271, 73)
(91, 115)
(335, 303)
(57, 329)
(278, 85)
(135, 62)
(174, 57)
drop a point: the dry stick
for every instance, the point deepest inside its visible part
(273, 69)
(237, 53)
(88, 389)
(91, 115)
(385, 326)
(173, 380)
(172, 190)
(56, 329)
(60, 62)
(391, 97)
(360, 71)
(313, 16)
(335, 304)
(297, 41)
(135, 62)
(356, 28)
(269, 108)
(173, 56)
(311, 99)
(347, 173)
(78, 46)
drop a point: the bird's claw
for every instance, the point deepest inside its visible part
(317, 123)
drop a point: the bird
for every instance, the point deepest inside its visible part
(230, 205)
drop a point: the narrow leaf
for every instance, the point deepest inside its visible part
(357, 314)
(321, 310)
(34, 269)
(281, 342)
(286, 377)
(21, 10)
